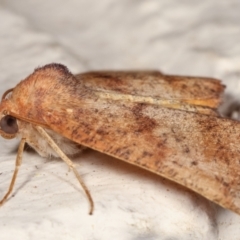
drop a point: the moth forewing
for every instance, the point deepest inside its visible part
(197, 151)
(159, 88)
(148, 119)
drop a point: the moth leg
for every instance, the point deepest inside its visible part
(17, 165)
(62, 155)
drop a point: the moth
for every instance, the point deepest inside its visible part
(168, 125)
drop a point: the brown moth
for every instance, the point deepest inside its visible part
(165, 124)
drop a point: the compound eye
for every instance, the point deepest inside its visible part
(9, 125)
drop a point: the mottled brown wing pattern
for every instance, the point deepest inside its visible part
(198, 151)
(192, 90)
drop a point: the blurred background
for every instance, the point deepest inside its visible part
(189, 37)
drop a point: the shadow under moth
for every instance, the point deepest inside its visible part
(165, 124)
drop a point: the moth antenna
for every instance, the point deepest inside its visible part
(6, 93)
(62, 155)
(17, 166)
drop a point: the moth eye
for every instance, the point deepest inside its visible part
(9, 125)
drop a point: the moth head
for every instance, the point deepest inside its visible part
(8, 124)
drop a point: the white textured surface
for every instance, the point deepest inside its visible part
(188, 37)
